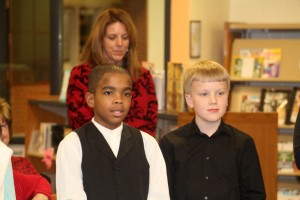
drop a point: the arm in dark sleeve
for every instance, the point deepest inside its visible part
(296, 140)
(78, 111)
(251, 178)
(167, 152)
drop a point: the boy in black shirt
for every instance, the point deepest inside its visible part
(207, 158)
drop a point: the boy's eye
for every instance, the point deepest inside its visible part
(128, 94)
(203, 94)
(107, 92)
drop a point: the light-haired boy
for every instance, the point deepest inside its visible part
(207, 158)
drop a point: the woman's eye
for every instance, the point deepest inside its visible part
(125, 37)
(111, 37)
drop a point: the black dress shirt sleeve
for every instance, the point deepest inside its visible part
(166, 151)
(251, 178)
(296, 140)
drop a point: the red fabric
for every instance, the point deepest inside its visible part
(21, 164)
(27, 186)
(143, 110)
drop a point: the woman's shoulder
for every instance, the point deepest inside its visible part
(81, 67)
(144, 70)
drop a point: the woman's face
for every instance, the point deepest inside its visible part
(115, 43)
(4, 131)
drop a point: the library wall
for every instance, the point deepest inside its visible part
(267, 11)
(212, 14)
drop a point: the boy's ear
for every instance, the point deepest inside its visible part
(188, 100)
(90, 99)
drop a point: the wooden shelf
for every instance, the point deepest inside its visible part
(234, 31)
(280, 173)
(239, 36)
(248, 26)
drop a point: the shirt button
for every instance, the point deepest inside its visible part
(207, 157)
(206, 177)
(205, 197)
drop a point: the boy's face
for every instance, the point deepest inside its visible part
(112, 99)
(209, 100)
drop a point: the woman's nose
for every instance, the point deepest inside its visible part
(119, 41)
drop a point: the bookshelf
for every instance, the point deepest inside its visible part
(42, 109)
(239, 37)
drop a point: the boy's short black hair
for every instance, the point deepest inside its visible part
(98, 72)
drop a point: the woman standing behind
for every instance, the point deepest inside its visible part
(112, 40)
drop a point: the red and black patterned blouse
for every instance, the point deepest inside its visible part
(143, 111)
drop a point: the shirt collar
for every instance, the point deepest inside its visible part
(194, 129)
(106, 131)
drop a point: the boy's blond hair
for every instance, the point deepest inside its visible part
(204, 71)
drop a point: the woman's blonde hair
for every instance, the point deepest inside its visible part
(204, 71)
(92, 51)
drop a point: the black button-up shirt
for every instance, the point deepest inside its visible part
(223, 166)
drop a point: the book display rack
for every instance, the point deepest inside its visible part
(263, 62)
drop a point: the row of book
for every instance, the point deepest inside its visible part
(286, 162)
(47, 136)
(257, 63)
(288, 194)
(285, 102)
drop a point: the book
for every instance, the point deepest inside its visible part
(271, 62)
(293, 107)
(285, 157)
(257, 63)
(64, 86)
(174, 95)
(250, 103)
(41, 139)
(276, 100)
(288, 194)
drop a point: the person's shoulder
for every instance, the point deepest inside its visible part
(71, 138)
(81, 67)
(23, 165)
(177, 133)
(145, 71)
(147, 136)
(237, 133)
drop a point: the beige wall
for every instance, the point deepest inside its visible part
(212, 14)
(266, 11)
(156, 33)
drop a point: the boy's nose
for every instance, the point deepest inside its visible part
(212, 100)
